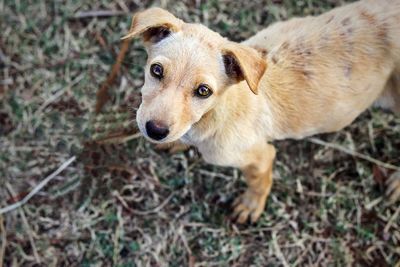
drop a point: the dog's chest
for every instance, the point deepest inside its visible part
(212, 151)
(224, 148)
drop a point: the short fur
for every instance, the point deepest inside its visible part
(294, 79)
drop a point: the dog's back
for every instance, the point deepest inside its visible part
(369, 20)
(339, 63)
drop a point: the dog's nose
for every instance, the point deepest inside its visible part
(156, 130)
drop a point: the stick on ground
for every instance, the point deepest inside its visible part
(38, 187)
(354, 153)
(3, 240)
(102, 93)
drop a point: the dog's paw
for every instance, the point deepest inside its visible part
(249, 205)
(393, 187)
(172, 148)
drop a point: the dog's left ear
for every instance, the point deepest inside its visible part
(153, 24)
(244, 63)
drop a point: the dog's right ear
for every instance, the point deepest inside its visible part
(153, 24)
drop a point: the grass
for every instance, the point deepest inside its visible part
(126, 204)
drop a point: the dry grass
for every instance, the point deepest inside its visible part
(129, 205)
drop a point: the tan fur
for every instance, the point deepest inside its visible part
(311, 75)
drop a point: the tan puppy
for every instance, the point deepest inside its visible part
(294, 79)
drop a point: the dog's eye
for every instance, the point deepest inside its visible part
(156, 70)
(203, 91)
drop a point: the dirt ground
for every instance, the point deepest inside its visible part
(123, 203)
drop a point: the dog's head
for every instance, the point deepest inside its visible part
(189, 68)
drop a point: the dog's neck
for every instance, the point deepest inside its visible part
(275, 116)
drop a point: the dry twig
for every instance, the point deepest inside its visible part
(102, 93)
(98, 13)
(353, 153)
(3, 240)
(137, 212)
(278, 251)
(28, 229)
(38, 187)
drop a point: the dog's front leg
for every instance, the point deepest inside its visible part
(257, 171)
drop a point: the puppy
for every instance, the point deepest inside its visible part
(294, 79)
